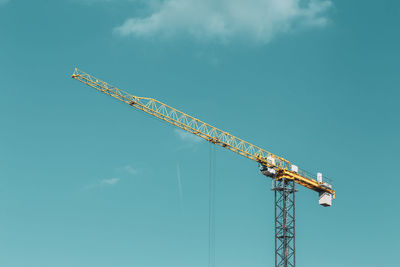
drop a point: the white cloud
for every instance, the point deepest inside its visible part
(102, 183)
(224, 20)
(129, 169)
(111, 181)
(187, 137)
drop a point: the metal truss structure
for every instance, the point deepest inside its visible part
(210, 133)
(285, 253)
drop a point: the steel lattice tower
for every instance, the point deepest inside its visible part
(284, 223)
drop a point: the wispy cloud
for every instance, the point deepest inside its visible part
(187, 137)
(225, 20)
(129, 169)
(111, 181)
(103, 183)
(122, 171)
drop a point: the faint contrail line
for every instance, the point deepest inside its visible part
(178, 172)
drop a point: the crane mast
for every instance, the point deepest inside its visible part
(284, 174)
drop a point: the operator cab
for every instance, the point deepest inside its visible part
(267, 171)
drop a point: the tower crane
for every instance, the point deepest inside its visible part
(284, 174)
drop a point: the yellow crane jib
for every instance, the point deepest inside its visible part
(270, 164)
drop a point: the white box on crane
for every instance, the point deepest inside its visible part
(267, 171)
(271, 160)
(325, 199)
(295, 169)
(319, 177)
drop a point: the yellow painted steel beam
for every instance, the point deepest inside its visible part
(204, 130)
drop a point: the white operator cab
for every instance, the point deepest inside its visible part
(267, 171)
(325, 198)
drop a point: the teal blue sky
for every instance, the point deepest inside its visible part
(88, 181)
